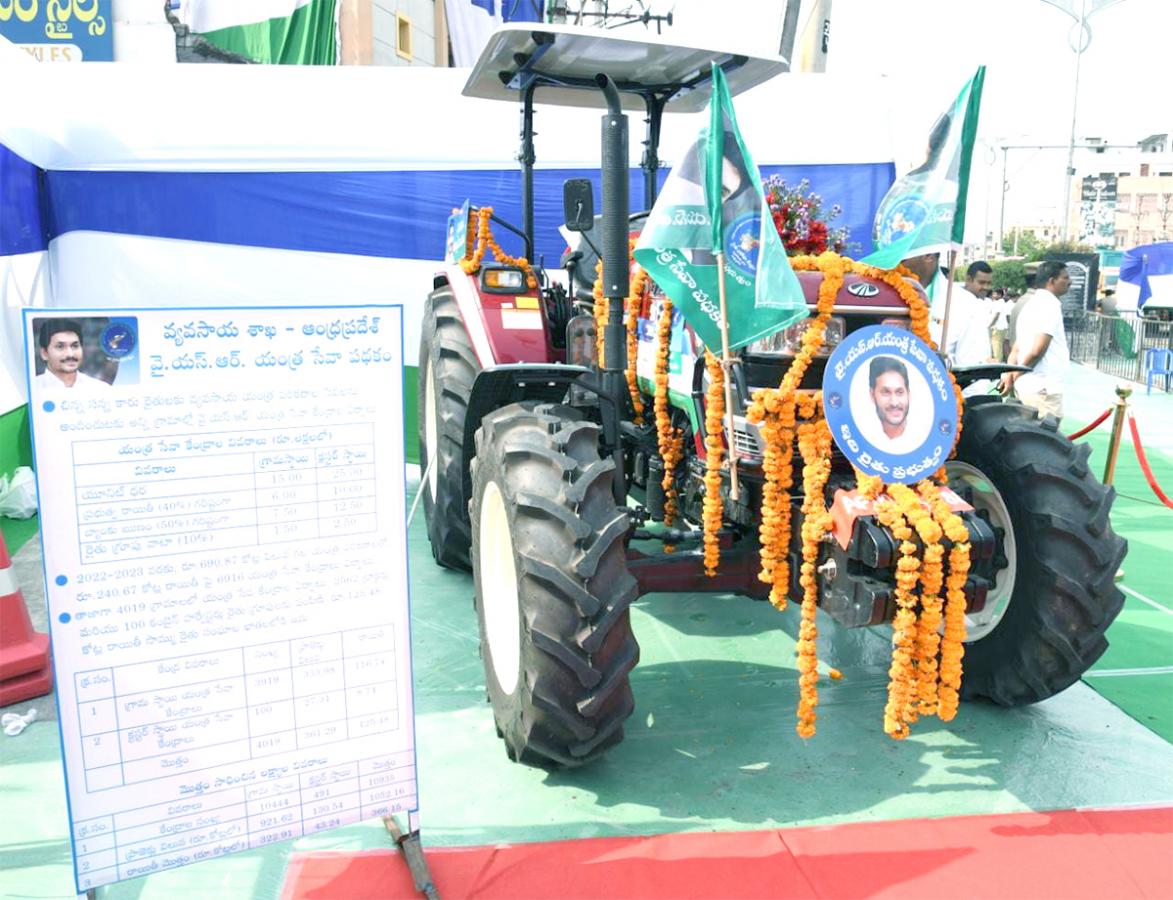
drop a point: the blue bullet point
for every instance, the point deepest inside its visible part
(48, 406)
(61, 579)
(64, 618)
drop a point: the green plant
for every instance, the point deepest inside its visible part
(1009, 275)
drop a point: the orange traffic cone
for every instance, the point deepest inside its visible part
(24, 654)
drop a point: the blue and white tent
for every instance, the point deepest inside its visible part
(225, 185)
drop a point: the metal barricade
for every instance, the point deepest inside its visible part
(1116, 344)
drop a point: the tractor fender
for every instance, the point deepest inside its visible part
(467, 302)
(503, 328)
(498, 386)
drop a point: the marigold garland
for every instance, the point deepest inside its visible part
(631, 307)
(632, 304)
(814, 441)
(712, 507)
(471, 263)
(932, 577)
(925, 670)
(669, 440)
(774, 411)
(900, 674)
(925, 676)
(953, 642)
(601, 310)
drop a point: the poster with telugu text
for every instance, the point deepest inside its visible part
(222, 505)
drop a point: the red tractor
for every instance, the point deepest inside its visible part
(539, 477)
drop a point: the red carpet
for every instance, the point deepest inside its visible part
(1067, 854)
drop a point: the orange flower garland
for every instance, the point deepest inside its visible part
(901, 696)
(774, 526)
(953, 643)
(631, 310)
(774, 410)
(601, 310)
(669, 440)
(932, 577)
(918, 684)
(631, 307)
(714, 453)
(814, 441)
(472, 262)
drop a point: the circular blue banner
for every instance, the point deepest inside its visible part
(890, 404)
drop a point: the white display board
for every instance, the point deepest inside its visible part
(222, 515)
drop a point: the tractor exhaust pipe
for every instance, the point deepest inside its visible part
(616, 276)
(616, 215)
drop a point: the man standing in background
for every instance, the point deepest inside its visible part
(967, 342)
(1040, 343)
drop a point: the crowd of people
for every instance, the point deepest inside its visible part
(990, 325)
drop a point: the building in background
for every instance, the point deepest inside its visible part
(1128, 200)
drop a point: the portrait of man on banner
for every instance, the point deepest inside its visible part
(890, 404)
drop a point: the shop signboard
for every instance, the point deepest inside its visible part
(1097, 210)
(60, 30)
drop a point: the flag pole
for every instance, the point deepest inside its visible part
(731, 437)
(948, 304)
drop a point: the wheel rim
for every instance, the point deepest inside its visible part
(431, 431)
(987, 497)
(498, 578)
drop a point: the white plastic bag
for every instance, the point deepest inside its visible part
(18, 496)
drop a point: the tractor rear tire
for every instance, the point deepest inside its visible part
(552, 586)
(1057, 595)
(448, 367)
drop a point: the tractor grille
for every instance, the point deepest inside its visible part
(748, 439)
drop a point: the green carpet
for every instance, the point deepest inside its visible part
(1136, 672)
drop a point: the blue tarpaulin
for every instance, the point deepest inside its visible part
(20, 212)
(1140, 264)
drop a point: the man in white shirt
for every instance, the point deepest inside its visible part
(1040, 342)
(60, 346)
(968, 337)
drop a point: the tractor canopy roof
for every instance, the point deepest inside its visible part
(562, 61)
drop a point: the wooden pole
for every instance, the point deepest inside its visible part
(948, 304)
(731, 436)
(1122, 395)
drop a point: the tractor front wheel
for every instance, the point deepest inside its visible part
(1045, 616)
(552, 585)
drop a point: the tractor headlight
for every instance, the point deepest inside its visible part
(504, 279)
(788, 341)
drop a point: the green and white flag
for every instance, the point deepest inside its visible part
(289, 32)
(924, 211)
(713, 201)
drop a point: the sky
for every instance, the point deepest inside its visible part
(934, 46)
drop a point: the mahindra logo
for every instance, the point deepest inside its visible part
(863, 289)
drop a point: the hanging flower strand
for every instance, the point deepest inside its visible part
(814, 441)
(901, 673)
(669, 440)
(712, 507)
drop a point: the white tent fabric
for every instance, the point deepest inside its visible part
(278, 119)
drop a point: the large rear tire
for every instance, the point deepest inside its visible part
(448, 367)
(552, 586)
(1045, 617)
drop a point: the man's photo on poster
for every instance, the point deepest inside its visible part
(891, 404)
(83, 355)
